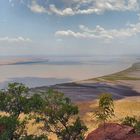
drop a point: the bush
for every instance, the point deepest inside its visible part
(133, 122)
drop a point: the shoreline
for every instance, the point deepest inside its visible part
(121, 85)
(44, 75)
(77, 81)
(124, 70)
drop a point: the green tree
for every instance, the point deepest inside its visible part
(57, 113)
(15, 101)
(61, 117)
(105, 109)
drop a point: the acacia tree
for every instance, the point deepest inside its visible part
(15, 101)
(61, 117)
(57, 113)
(105, 109)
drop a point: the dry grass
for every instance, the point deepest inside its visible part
(122, 108)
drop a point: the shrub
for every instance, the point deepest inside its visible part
(133, 122)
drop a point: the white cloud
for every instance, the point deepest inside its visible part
(66, 11)
(14, 40)
(36, 8)
(100, 33)
(73, 7)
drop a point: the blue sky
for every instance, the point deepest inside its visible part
(69, 27)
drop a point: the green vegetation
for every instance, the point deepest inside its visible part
(57, 113)
(117, 77)
(60, 117)
(133, 122)
(14, 101)
(122, 75)
(105, 109)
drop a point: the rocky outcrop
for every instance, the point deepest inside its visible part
(113, 131)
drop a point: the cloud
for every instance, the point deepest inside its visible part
(74, 7)
(36, 8)
(15, 40)
(101, 33)
(66, 11)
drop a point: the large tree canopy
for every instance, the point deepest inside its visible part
(57, 113)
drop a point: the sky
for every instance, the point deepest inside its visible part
(69, 27)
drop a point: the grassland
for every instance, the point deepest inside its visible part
(122, 75)
(123, 108)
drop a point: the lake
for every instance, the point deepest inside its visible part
(45, 71)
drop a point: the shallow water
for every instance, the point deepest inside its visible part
(58, 69)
